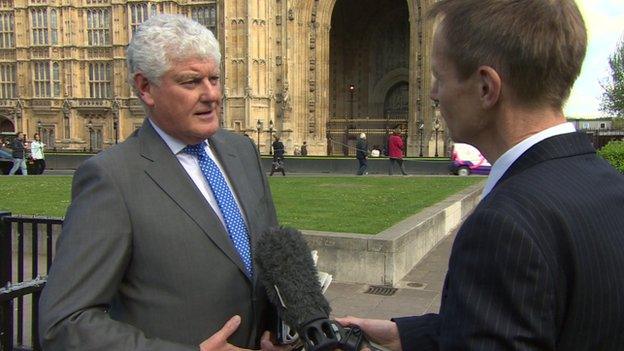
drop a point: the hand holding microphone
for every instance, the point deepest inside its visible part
(287, 271)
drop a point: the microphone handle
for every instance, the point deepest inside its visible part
(356, 341)
(327, 335)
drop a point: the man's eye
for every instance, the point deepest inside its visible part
(214, 79)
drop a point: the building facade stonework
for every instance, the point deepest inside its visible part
(320, 71)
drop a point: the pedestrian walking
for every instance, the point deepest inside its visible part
(36, 152)
(395, 152)
(19, 154)
(278, 156)
(361, 153)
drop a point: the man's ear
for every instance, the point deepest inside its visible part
(144, 87)
(490, 86)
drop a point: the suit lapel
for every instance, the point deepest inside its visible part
(558, 146)
(170, 176)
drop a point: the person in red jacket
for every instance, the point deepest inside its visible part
(395, 152)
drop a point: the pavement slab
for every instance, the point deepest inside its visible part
(419, 292)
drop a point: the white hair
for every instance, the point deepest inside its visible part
(362, 136)
(163, 39)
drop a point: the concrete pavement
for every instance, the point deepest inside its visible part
(418, 293)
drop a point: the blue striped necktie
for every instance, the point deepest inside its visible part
(234, 222)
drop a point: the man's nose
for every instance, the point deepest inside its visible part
(210, 91)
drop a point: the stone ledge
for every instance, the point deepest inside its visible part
(386, 257)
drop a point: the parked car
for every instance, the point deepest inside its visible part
(466, 160)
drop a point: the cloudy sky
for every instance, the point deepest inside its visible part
(605, 23)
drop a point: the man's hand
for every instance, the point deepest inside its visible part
(218, 341)
(381, 332)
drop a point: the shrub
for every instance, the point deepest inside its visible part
(613, 152)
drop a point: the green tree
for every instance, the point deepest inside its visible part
(613, 95)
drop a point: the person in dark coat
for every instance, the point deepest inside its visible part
(278, 156)
(19, 154)
(361, 153)
(304, 149)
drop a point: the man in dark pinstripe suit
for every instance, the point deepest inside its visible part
(539, 265)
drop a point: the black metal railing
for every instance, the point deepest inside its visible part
(16, 232)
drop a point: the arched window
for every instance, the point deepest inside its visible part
(7, 30)
(56, 79)
(139, 13)
(206, 15)
(7, 80)
(53, 27)
(98, 27)
(100, 80)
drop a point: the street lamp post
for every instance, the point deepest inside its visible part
(259, 129)
(270, 136)
(436, 128)
(436, 124)
(90, 127)
(345, 148)
(421, 129)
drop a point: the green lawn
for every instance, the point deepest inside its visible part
(342, 204)
(358, 204)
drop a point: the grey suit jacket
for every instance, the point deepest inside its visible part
(143, 262)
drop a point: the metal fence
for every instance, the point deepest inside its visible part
(26, 250)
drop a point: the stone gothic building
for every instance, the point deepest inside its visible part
(320, 71)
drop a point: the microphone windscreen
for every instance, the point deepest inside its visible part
(287, 271)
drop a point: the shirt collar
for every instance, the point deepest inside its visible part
(174, 144)
(510, 156)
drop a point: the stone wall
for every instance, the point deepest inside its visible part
(385, 258)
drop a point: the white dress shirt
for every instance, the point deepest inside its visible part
(191, 166)
(510, 156)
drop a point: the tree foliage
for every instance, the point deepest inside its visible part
(613, 95)
(613, 152)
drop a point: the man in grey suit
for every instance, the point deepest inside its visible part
(153, 254)
(538, 264)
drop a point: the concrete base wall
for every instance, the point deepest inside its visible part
(385, 258)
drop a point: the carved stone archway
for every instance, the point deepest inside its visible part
(6, 125)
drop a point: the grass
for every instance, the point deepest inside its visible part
(35, 195)
(365, 205)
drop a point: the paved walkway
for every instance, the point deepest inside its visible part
(422, 295)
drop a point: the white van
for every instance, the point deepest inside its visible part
(466, 159)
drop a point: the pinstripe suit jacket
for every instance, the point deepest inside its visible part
(539, 265)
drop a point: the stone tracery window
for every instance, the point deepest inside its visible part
(44, 26)
(46, 79)
(206, 15)
(100, 80)
(7, 30)
(7, 81)
(139, 13)
(98, 26)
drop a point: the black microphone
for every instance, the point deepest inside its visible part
(287, 271)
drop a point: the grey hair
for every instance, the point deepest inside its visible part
(165, 38)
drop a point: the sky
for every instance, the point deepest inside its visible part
(605, 25)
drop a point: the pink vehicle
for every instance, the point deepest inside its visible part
(466, 159)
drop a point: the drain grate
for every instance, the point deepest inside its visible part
(381, 290)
